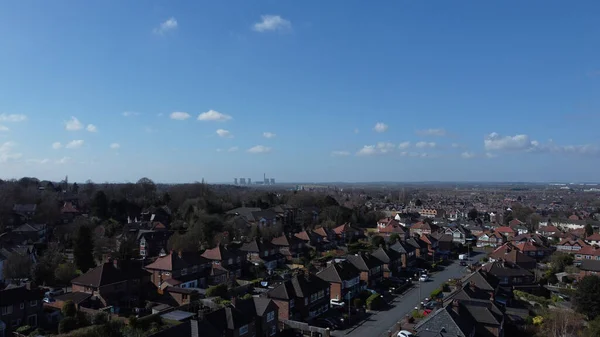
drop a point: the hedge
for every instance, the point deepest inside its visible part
(374, 302)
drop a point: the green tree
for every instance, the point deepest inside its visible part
(377, 241)
(67, 325)
(394, 238)
(589, 230)
(69, 309)
(217, 291)
(560, 261)
(83, 247)
(473, 214)
(100, 205)
(17, 266)
(65, 272)
(593, 328)
(587, 296)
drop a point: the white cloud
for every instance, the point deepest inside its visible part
(404, 145)
(91, 128)
(115, 146)
(269, 135)
(490, 155)
(74, 144)
(212, 115)
(367, 150)
(380, 127)
(12, 118)
(168, 25)
(6, 152)
(4, 128)
(467, 155)
(340, 153)
(522, 143)
(259, 149)
(224, 133)
(39, 161)
(385, 147)
(432, 132)
(180, 116)
(233, 149)
(130, 113)
(63, 160)
(56, 145)
(423, 145)
(73, 124)
(272, 23)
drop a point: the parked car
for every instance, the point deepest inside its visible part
(424, 278)
(49, 300)
(430, 305)
(404, 333)
(53, 293)
(325, 323)
(463, 263)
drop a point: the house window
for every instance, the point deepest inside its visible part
(7, 310)
(239, 259)
(230, 261)
(32, 320)
(321, 294)
(143, 243)
(32, 303)
(244, 330)
(270, 316)
(292, 303)
(273, 330)
(306, 301)
(184, 271)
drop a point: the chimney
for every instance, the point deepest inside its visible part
(492, 296)
(472, 286)
(455, 305)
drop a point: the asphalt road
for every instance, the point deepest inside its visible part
(380, 322)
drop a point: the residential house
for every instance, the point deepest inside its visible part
(460, 235)
(508, 274)
(228, 260)
(431, 244)
(408, 256)
(254, 216)
(310, 238)
(34, 232)
(487, 239)
(548, 231)
(371, 268)
(570, 245)
(506, 231)
(153, 243)
(393, 260)
(265, 313)
(593, 239)
(587, 253)
(289, 246)
(422, 227)
(260, 252)
(181, 296)
(181, 269)
(432, 213)
(392, 226)
(511, 254)
(20, 306)
(343, 278)
(232, 322)
(445, 241)
(589, 267)
(564, 223)
(463, 319)
(23, 213)
(116, 283)
(326, 234)
(347, 233)
(68, 212)
(303, 297)
(533, 249)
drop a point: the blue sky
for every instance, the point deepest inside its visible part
(303, 91)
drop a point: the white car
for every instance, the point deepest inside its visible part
(404, 333)
(423, 278)
(337, 303)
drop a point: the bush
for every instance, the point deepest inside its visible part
(36, 332)
(375, 302)
(247, 297)
(23, 329)
(69, 309)
(436, 293)
(67, 324)
(358, 303)
(416, 314)
(100, 318)
(217, 291)
(145, 323)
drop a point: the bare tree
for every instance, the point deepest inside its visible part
(561, 323)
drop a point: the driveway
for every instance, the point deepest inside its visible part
(379, 323)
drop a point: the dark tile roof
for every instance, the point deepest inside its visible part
(14, 295)
(364, 261)
(286, 241)
(445, 318)
(178, 261)
(298, 286)
(107, 273)
(505, 269)
(386, 255)
(197, 328)
(255, 306)
(590, 265)
(257, 246)
(228, 318)
(24, 208)
(76, 297)
(339, 272)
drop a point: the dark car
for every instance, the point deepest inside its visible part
(325, 323)
(463, 263)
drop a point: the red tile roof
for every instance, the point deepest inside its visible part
(594, 237)
(504, 229)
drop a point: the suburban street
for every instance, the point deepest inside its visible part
(380, 322)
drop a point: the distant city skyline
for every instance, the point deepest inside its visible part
(307, 92)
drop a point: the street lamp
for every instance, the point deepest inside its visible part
(419, 282)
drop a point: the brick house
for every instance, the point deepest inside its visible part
(508, 274)
(289, 246)
(265, 313)
(228, 260)
(303, 297)
(389, 226)
(153, 243)
(511, 254)
(232, 322)
(423, 227)
(313, 239)
(371, 268)
(589, 267)
(260, 252)
(407, 252)
(343, 278)
(393, 261)
(347, 233)
(113, 283)
(570, 246)
(494, 239)
(180, 269)
(20, 306)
